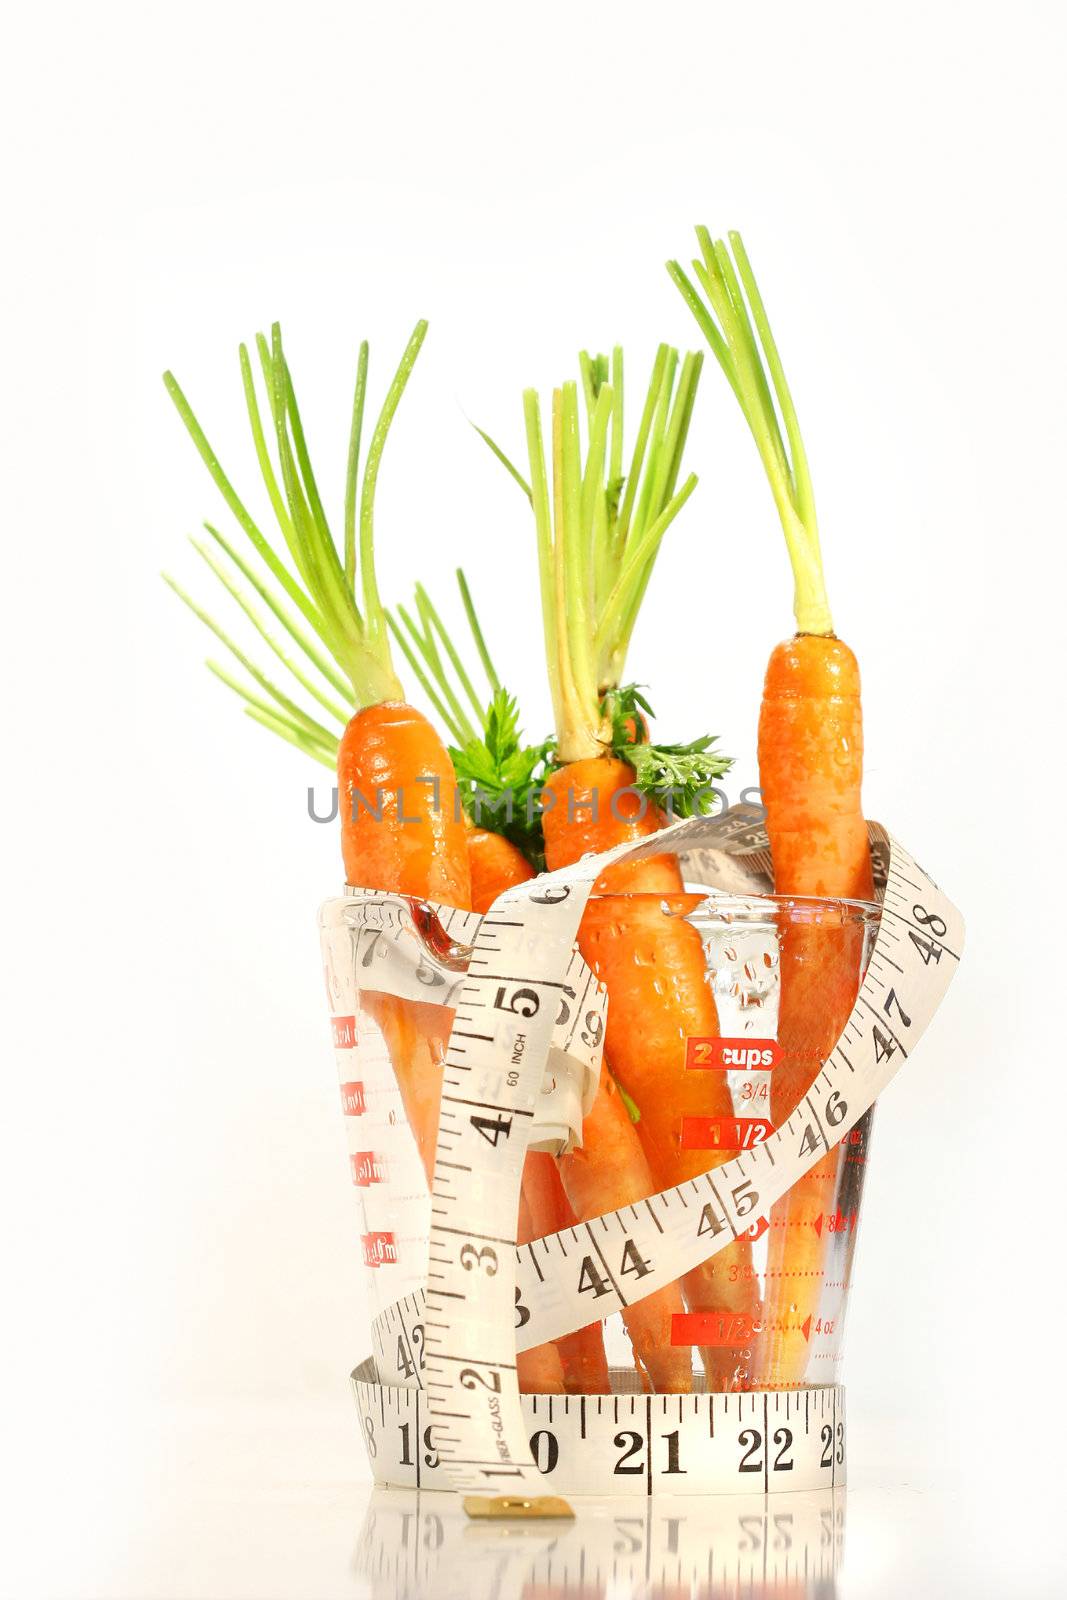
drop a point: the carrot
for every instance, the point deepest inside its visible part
(608, 1172)
(496, 865)
(811, 769)
(611, 1169)
(585, 1365)
(391, 764)
(658, 997)
(598, 533)
(653, 965)
(492, 751)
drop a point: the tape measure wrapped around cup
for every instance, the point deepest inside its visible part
(415, 950)
(479, 1284)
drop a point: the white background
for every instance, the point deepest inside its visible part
(180, 1226)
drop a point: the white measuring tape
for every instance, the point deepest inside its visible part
(444, 1355)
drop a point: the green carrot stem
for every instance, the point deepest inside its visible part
(434, 623)
(288, 705)
(504, 460)
(320, 584)
(352, 473)
(296, 633)
(597, 537)
(340, 712)
(732, 315)
(372, 605)
(292, 736)
(263, 549)
(311, 740)
(476, 631)
(446, 716)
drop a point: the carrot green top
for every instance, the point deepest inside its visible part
(599, 528)
(728, 327)
(499, 774)
(309, 578)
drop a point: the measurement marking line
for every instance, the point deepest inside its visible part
(485, 1105)
(622, 1298)
(654, 1217)
(923, 931)
(482, 1361)
(521, 977)
(722, 1208)
(465, 1233)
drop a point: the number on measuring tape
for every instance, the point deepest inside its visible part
(810, 1141)
(524, 1002)
(544, 1447)
(590, 1280)
(711, 1222)
(492, 1129)
(632, 1261)
(630, 1444)
(892, 999)
(836, 1109)
(471, 1257)
(470, 1378)
(752, 1439)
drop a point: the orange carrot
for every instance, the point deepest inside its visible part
(585, 1366)
(397, 790)
(495, 865)
(401, 827)
(596, 547)
(608, 1172)
(658, 997)
(399, 833)
(811, 768)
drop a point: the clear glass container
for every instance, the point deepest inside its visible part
(721, 1009)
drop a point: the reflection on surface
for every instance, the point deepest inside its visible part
(423, 1547)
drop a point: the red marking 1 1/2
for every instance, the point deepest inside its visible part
(724, 1133)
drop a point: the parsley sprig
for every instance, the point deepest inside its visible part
(499, 775)
(678, 777)
(500, 778)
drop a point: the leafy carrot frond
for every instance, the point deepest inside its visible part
(600, 520)
(498, 775)
(306, 579)
(678, 777)
(729, 309)
(500, 778)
